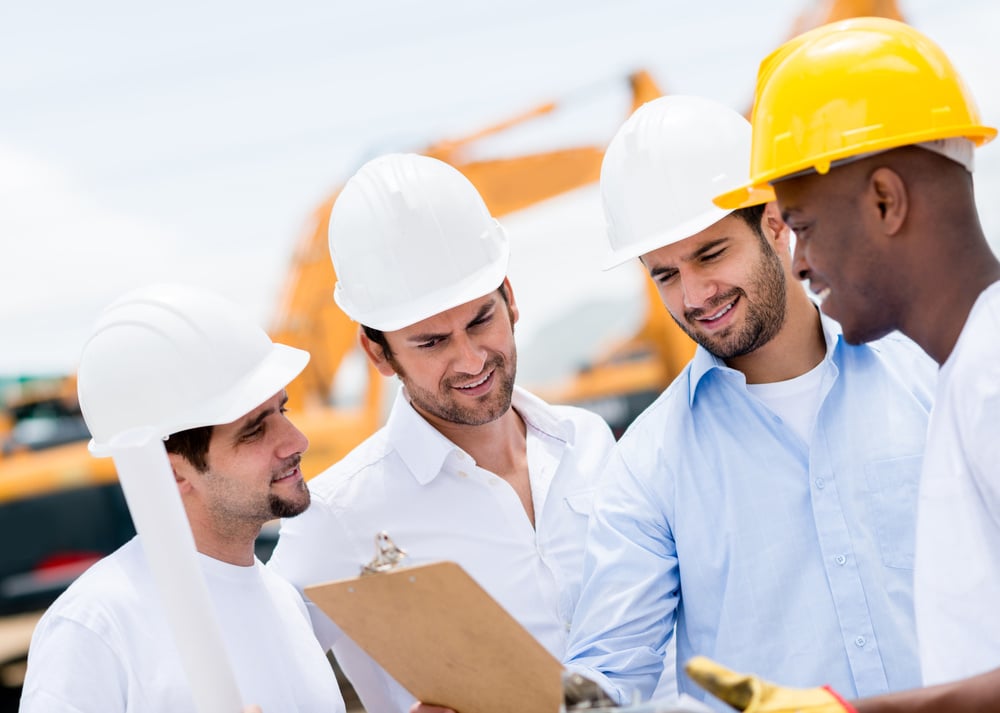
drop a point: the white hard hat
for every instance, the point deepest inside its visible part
(410, 237)
(664, 166)
(174, 357)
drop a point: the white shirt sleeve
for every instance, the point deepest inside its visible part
(59, 679)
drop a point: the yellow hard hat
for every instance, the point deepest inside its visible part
(854, 87)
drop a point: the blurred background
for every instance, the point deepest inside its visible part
(204, 143)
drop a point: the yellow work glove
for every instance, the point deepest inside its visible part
(746, 692)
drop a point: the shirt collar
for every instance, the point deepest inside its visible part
(425, 451)
(704, 362)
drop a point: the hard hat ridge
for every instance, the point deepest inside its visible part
(410, 237)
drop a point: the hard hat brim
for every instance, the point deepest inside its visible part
(272, 374)
(687, 229)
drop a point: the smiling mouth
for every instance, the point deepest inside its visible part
(719, 314)
(477, 383)
(288, 473)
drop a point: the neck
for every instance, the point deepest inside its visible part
(947, 262)
(231, 542)
(498, 446)
(796, 349)
(935, 318)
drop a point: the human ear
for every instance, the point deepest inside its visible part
(180, 466)
(775, 229)
(376, 355)
(511, 303)
(888, 190)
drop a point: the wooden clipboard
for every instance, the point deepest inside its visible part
(447, 641)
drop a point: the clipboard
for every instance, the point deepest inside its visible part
(447, 641)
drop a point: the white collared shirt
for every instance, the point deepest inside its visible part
(437, 504)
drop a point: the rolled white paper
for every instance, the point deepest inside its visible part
(159, 517)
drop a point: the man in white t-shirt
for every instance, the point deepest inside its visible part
(469, 467)
(866, 132)
(763, 505)
(212, 383)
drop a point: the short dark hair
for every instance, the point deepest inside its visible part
(192, 445)
(378, 336)
(752, 216)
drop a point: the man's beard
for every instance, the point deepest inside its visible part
(764, 317)
(445, 406)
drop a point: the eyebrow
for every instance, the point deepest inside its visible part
(706, 248)
(788, 213)
(251, 425)
(427, 336)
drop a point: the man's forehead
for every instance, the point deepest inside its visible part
(444, 320)
(261, 410)
(690, 246)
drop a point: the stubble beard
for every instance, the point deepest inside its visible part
(285, 506)
(446, 406)
(765, 314)
(233, 507)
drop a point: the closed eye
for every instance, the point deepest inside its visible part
(479, 321)
(663, 275)
(252, 435)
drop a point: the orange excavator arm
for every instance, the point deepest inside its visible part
(308, 317)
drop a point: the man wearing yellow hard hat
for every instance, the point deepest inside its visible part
(866, 132)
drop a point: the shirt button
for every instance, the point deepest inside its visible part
(820, 483)
(567, 626)
(494, 481)
(840, 559)
(860, 642)
(462, 474)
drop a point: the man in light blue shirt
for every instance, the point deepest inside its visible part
(763, 507)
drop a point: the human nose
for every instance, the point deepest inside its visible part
(800, 265)
(697, 290)
(292, 439)
(468, 356)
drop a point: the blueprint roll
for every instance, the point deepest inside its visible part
(155, 504)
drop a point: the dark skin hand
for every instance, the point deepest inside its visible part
(979, 694)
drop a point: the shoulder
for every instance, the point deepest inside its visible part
(671, 407)
(586, 423)
(110, 593)
(898, 356)
(368, 456)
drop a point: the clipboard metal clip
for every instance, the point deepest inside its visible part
(387, 555)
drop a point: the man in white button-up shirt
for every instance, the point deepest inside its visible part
(469, 467)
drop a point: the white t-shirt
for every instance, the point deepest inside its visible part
(437, 504)
(797, 400)
(957, 575)
(104, 645)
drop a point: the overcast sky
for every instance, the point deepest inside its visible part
(192, 140)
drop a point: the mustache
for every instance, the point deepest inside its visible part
(286, 465)
(494, 362)
(713, 306)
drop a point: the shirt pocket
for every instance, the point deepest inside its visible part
(893, 486)
(580, 503)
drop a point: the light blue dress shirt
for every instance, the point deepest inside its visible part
(788, 559)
